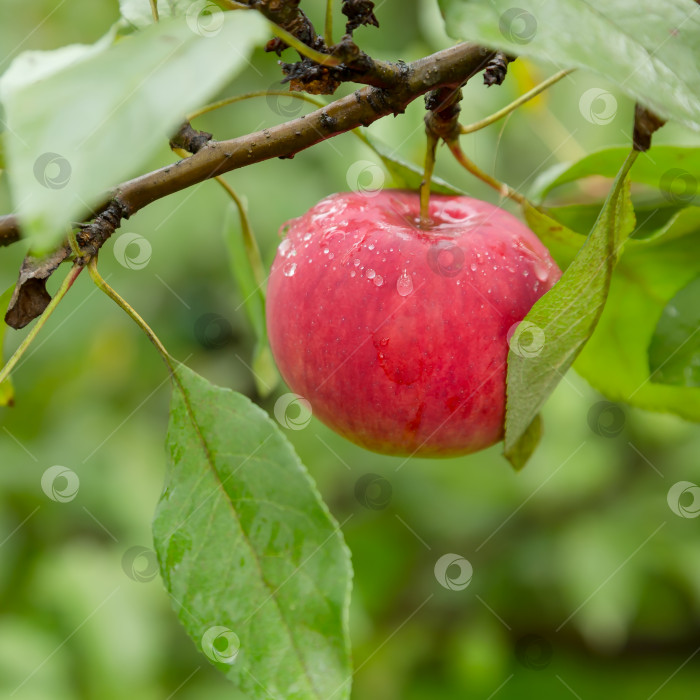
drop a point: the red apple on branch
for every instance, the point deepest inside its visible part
(397, 334)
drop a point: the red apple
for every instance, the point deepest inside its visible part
(397, 334)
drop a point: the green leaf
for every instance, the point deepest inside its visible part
(256, 567)
(81, 130)
(562, 242)
(253, 301)
(653, 216)
(264, 367)
(649, 50)
(546, 342)
(138, 12)
(674, 351)
(7, 391)
(671, 169)
(520, 452)
(406, 174)
(649, 275)
(35, 66)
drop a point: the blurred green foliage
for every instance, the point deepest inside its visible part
(585, 582)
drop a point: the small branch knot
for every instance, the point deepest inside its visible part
(495, 71)
(359, 12)
(645, 124)
(189, 139)
(308, 76)
(91, 237)
(442, 120)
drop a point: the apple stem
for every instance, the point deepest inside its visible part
(432, 141)
(486, 121)
(501, 187)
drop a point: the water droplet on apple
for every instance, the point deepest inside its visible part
(307, 237)
(284, 247)
(473, 267)
(356, 262)
(326, 250)
(541, 270)
(352, 273)
(331, 256)
(370, 273)
(525, 273)
(289, 269)
(404, 284)
(379, 280)
(371, 246)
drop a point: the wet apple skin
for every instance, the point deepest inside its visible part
(397, 334)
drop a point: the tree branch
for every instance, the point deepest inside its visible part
(446, 69)
(449, 68)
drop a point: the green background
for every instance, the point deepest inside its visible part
(585, 582)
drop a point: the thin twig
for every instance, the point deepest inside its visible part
(248, 95)
(501, 187)
(322, 59)
(102, 285)
(249, 241)
(328, 25)
(526, 97)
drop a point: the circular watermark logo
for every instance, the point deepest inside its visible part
(453, 572)
(526, 339)
(221, 645)
(293, 411)
(204, 18)
(373, 491)
(365, 177)
(140, 564)
(533, 651)
(598, 106)
(606, 419)
(60, 484)
(678, 186)
(445, 258)
(52, 171)
(284, 105)
(518, 25)
(213, 331)
(132, 251)
(689, 494)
